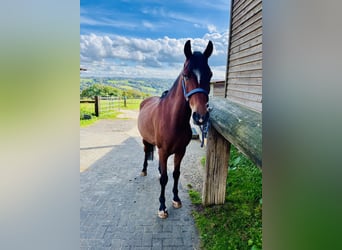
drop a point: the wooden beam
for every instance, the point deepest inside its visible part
(239, 125)
(86, 101)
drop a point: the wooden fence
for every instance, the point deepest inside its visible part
(231, 123)
(111, 104)
(96, 102)
(105, 104)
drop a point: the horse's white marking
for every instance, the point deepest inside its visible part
(198, 75)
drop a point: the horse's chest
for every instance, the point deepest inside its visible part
(181, 137)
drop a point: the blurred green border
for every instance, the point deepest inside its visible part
(39, 128)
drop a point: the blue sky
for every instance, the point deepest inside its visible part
(132, 38)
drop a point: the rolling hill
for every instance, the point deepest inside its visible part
(145, 85)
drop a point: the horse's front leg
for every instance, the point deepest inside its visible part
(162, 213)
(176, 202)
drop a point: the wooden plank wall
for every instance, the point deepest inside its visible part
(217, 88)
(244, 73)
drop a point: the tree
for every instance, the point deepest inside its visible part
(100, 90)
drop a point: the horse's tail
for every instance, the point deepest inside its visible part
(149, 150)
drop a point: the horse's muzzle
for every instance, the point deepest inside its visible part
(200, 119)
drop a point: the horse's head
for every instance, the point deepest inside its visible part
(196, 81)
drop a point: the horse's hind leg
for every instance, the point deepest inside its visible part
(148, 149)
(176, 202)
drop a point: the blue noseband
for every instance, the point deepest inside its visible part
(192, 92)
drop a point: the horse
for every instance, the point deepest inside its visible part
(165, 121)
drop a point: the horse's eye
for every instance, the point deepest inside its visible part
(186, 77)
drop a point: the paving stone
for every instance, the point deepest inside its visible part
(118, 207)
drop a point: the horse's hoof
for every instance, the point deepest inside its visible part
(163, 214)
(143, 173)
(176, 204)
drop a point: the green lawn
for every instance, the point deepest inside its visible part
(238, 223)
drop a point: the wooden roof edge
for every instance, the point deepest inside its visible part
(219, 81)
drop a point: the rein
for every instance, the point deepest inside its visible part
(205, 127)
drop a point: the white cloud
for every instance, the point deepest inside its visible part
(212, 28)
(106, 55)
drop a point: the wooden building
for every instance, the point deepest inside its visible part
(236, 107)
(243, 83)
(217, 88)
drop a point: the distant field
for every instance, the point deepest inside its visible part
(126, 87)
(118, 81)
(147, 89)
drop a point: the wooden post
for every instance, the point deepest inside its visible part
(216, 168)
(97, 105)
(235, 124)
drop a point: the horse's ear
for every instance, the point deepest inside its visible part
(208, 50)
(187, 49)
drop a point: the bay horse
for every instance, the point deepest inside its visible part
(165, 121)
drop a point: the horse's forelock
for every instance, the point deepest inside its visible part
(198, 65)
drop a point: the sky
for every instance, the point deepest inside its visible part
(135, 38)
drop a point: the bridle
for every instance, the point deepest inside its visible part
(193, 91)
(205, 127)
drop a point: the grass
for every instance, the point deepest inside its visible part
(88, 109)
(238, 223)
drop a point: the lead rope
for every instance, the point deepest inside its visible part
(204, 129)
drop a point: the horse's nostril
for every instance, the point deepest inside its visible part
(195, 117)
(199, 119)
